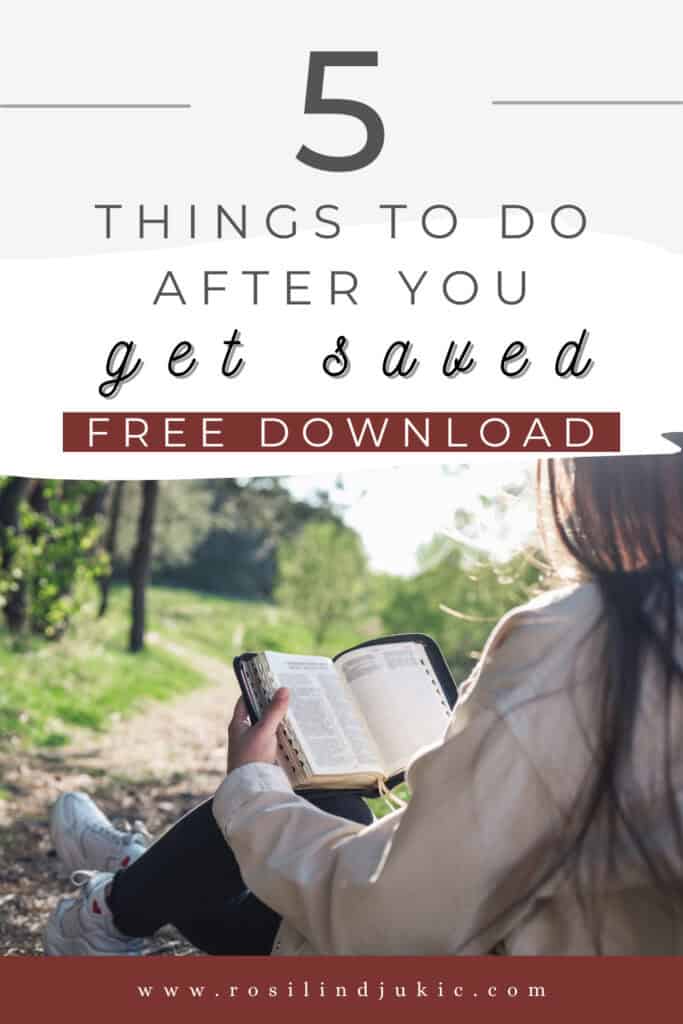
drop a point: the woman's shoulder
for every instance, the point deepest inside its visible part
(565, 600)
(534, 646)
(551, 612)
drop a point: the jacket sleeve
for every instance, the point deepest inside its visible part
(447, 874)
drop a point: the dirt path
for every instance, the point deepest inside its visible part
(153, 767)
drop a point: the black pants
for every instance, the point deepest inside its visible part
(189, 878)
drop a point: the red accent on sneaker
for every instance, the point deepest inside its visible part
(96, 907)
(125, 862)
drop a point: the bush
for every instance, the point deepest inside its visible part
(51, 557)
(323, 579)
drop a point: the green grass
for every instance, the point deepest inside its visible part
(48, 688)
(219, 627)
(381, 806)
(210, 625)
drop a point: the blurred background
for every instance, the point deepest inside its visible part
(109, 590)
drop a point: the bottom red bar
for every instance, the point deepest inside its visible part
(340, 988)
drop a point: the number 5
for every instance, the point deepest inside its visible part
(317, 104)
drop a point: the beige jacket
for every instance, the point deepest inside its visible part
(450, 873)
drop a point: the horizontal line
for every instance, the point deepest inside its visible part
(587, 103)
(95, 106)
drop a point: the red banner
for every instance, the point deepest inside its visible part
(332, 989)
(537, 432)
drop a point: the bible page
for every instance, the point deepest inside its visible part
(324, 715)
(400, 697)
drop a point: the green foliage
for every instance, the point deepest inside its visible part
(183, 519)
(53, 555)
(220, 536)
(323, 579)
(480, 591)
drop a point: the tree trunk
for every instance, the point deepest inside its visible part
(17, 606)
(11, 497)
(140, 563)
(13, 493)
(38, 498)
(110, 543)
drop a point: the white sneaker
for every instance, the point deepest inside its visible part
(84, 837)
(82, 925)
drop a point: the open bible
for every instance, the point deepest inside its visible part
(354, 721)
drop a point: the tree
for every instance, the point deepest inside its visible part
(110, 542)
(219, 536)
(48, 536)
(323, 577)
(13, 492)
(475, 591)
(140, 563)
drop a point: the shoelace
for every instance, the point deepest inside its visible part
(80, 878)
(137, 828)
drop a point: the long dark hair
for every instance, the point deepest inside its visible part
(620, 522)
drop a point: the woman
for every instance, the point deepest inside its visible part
(548, 821)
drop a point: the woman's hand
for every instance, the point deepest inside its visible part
(249, 743)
